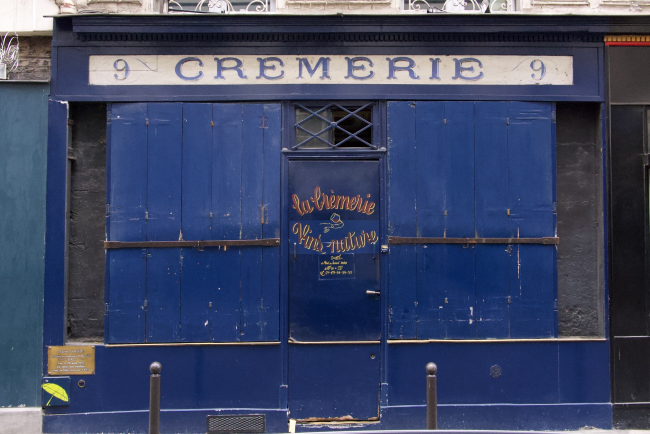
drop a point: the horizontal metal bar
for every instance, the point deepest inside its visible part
(494, 341)
(189, 344)
(291, 341)
(198, 244)
(425, 240)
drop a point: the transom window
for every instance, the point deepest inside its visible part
(334, 126)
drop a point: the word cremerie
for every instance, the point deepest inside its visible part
(333, 69)
(323, 201)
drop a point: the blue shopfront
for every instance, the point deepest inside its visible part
(298, 213)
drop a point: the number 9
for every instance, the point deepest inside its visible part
(124, 68)
(541, 69)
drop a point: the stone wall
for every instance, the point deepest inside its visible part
(34, 59)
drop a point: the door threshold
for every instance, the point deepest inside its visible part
(317, 421)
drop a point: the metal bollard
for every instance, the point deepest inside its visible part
(154, 398)
(432, 398)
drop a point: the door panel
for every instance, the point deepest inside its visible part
(333, 381)
(333, 260)
(334, 251)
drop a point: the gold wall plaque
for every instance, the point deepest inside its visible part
(71, 360)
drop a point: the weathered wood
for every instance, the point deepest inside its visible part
(402, 219)
(164, 149)
(127, 207)
(196, 222)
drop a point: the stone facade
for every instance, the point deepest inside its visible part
(35, 59)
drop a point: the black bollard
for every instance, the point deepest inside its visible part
(432, 398)
(154, 398)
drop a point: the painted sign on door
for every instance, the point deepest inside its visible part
(334, 298)
(334, 250)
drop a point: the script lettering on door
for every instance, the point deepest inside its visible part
(351, 240)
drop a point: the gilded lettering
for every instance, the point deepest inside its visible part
(321, 201)
(306, 240)
(296, 205)
(316, 199)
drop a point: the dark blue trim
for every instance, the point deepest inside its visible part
(189, 25)
(556, 325)
(107, 226)
(401, 419)
(54, 325)
(138, 421)
(546, 417)
(381, 120)
(73, 61)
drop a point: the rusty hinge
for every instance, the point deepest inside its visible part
(212, 123)
(146, 215)
(646, 160)
(444, 121)
(507, 121)
(71, 122)
(147, 121)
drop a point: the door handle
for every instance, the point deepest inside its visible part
(373, 292)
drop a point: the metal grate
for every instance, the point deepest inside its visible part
(334, 126)
(240, 423)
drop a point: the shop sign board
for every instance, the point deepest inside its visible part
(333, 69)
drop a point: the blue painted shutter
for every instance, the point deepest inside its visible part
(127, 198)
(193, 172)
(531, 185)
(164, 221)
(471, 169)
(492, 261)
(196, 272)
(402, 220)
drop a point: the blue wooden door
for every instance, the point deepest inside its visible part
(334, 291)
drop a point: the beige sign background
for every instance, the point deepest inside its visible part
(334, 69)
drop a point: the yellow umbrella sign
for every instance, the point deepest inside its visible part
(56, 391)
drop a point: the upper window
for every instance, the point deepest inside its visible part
(334, 126)
(221, 6)
(463, 6)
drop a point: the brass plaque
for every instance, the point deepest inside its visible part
(71, 360)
